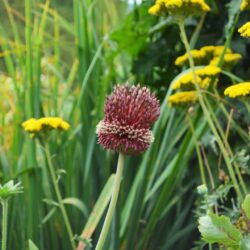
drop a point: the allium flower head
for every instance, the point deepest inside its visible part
(129, 113)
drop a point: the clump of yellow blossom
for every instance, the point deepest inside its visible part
(245, 5)
(229, 60)
(212, 51)
(37, 125)
(197, 55)
(209, 55)
(184, 97)
(179, 8)
(203, 76)
(238, 90)
(244, 30)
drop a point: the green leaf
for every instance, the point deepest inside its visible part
(246, 206)
(78, 204)
(97, 211)
(245, 244)
(219, 229)
(32, 245)
(233, 9)
(48, 215)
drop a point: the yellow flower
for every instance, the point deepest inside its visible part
(203, 76)
(203, 55)
(32, 125)
(155, 10)
(182, 98)
(179, 8)
(36, 125)
(197, 55)
(245, 5)
(229, 59)
(54, 122)
(219, 49)
(238, 90)
(245, 30)
(209, 71)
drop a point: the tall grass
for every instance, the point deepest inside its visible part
(63, 67)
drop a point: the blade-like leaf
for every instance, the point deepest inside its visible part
(245, 244)
(78, 204)
(97, 211)
(32, 245)
(246, 206)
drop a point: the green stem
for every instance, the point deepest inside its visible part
(201, 166)
(59, 196)
(4, 224)
(227, 146)
(112, 204)
(205, 110)
(247, 106)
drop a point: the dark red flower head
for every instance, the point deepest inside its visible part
(129, 114)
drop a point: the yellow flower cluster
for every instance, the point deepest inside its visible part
(244, 30)
(245, 5)
(198, 56)
(36, 125)
(179, 8)
(238, 90)
(229, 60)
(203, 76)
(209, 55)
(184, 97)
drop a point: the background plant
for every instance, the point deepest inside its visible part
(60, 58)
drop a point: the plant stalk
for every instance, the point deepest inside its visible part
(106, 225)
(201, 165)
(59, 196)
(205, 110)
(4, 223)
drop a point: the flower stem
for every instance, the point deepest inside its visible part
(59, 196)
(112, 204)
(4, 223)
(201, 166)
(206, 111)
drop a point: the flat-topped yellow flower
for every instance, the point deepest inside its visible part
(219, 49)
(185, 97)
(208, 71)
(203, 77)
(245, 5)
(238, 90)
(32, 125)
(202, 56)
(197, 55)
(229, 60)
(37, 125)
(179, 8)
(213, 51)
(155, 9)
(244, 30)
